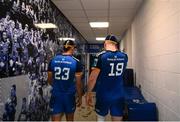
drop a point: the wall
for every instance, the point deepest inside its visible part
(20, 39)
(22, 84)
(126, 46)
(26, 49)
(156, 54)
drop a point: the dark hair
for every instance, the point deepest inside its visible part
(68, 44)
(14, 87)
(111, 38)
(66, 49)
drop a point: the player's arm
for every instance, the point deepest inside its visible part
(94, 73)
(50, 74)
(79, 85)
(92, 79)
(49, 77)
(91, 83)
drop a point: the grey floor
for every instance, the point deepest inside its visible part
(85, 113)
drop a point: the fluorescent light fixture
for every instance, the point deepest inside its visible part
(66, 38)
(99, 24)
(45, 25)
(100, 38)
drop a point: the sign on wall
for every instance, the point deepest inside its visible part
(94, 48)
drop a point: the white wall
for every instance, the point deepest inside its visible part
(155, 47)
(126, 45)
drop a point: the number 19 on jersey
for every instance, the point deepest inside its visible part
(116, 70)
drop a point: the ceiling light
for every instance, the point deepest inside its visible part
(100, 38)
(45, 25)
(99, 24)
(66, 38)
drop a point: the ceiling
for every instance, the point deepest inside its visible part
(119, 14)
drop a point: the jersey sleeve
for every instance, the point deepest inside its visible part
(126, 56)
(79, 67)
(49, 67)
(126, 60)
(97, 62)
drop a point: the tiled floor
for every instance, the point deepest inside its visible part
(85, 113)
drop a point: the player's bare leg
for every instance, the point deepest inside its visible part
(116, 118)
(57, 117)
(70, 117)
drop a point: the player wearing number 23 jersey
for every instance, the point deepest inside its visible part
(63, 70)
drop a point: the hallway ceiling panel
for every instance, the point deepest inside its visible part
(119, 14)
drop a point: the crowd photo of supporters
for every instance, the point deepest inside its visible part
(21, 44)
(25, 49)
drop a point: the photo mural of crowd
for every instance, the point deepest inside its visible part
(25, 49)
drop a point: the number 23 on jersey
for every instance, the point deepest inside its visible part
(61, 73)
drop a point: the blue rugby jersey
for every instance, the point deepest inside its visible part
(109, 85)
(64, 68)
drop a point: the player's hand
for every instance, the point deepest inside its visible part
(89, 99)
(79, 101)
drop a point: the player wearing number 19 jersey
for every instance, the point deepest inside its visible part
(62, 71)
(110, 81)
(107, 76)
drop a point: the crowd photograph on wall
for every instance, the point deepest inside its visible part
(26, 49)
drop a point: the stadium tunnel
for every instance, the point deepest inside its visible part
(148, 31)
